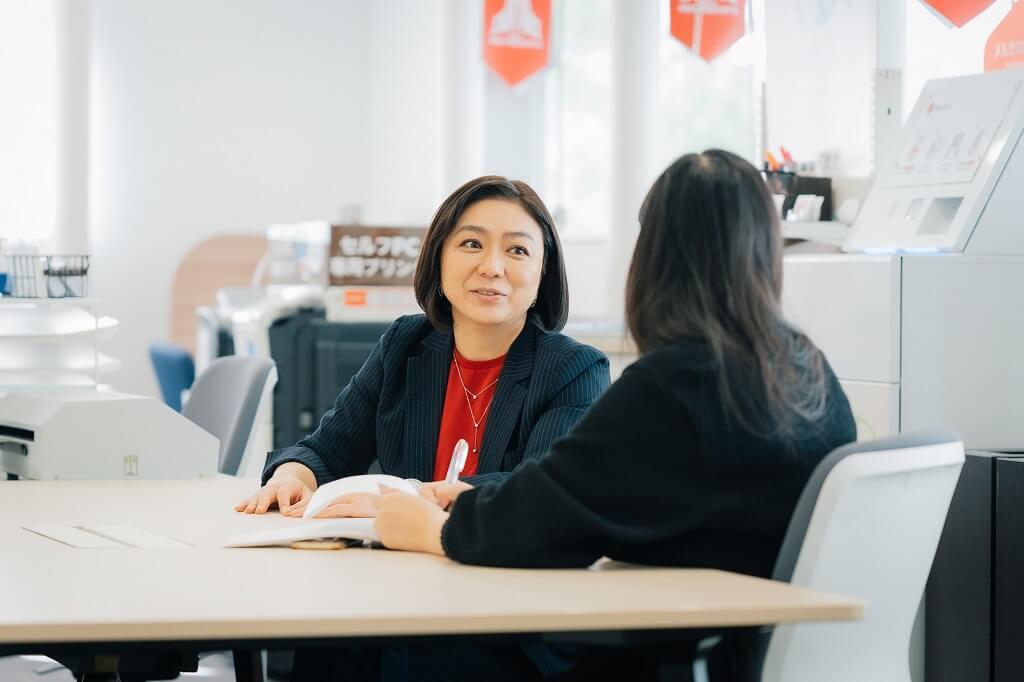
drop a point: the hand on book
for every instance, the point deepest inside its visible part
(409, 522)
(289, 494)
(358, 505)
(443, 494)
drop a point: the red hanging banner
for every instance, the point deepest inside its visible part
(1005, 47)
(517, 34)
(708, 27)
(957, 12)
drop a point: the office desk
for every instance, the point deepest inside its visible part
(58, 597)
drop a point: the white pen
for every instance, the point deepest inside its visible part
(455, 466)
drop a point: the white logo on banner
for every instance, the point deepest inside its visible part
(515, 25)
(730, 7)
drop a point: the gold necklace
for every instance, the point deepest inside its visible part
(481, 391)
(467, 393)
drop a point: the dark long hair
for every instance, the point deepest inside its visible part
(552, 306)
(708, 267)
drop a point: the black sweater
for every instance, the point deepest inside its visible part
(654, 473)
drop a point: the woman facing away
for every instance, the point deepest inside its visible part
(486, 364)
(697, 455)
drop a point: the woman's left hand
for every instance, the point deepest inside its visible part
(357, 505)
(443, 494)
(409, 522)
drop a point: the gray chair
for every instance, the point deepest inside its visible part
(866, 525)
(226, 400)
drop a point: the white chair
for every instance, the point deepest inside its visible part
(227, 400)
(866, 525)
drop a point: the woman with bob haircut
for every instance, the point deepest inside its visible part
(486, 364)
(697, 455)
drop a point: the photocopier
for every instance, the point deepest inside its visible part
(922, 314)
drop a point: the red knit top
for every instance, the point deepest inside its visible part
(462, 410)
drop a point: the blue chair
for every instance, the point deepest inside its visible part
(174, 369)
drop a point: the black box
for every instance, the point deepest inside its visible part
(967, 623)
(315, 360)
(792, 185)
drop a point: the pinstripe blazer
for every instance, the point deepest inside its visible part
(391, 410)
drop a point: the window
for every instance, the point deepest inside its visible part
(577, 140)
(716, 104)
(27, 120)
(699, 105)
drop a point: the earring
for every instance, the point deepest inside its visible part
(440, 291)
(534, 303)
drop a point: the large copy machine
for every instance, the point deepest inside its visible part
(922, 316)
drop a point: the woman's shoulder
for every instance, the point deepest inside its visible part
(408, 332)
(410, 325)
(684, 356)
(563, 346)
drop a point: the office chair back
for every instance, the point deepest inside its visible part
(226, 400)
(866, 525)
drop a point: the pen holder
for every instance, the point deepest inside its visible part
(791, 185)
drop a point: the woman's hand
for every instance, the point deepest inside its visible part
(288, 494)
(443, 494)
(409, 522)
(360, 505)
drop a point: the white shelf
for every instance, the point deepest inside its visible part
(75, 301)
(72, 362)
(52, 342)
(101, 327)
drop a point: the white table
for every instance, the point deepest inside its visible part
(212, 597)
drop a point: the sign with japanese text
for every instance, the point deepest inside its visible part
(362, 255)
(708, 27)
(957, 12)
(517, 35)
(1005, 47)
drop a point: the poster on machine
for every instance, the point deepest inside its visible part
(363, 255)
(950, 130)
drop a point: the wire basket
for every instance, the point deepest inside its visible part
(47, 276)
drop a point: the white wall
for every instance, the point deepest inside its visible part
(28, 121)
(212, 117)
(404, 159)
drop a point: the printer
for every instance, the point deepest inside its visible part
(922, 314)
(85, 433)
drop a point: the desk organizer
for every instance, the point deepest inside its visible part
(47, 276)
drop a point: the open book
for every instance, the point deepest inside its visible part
(308, 528)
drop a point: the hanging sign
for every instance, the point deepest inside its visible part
(708, 27)
(517, 34)
(1005, 47)
(361, 255)
(957, 12)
